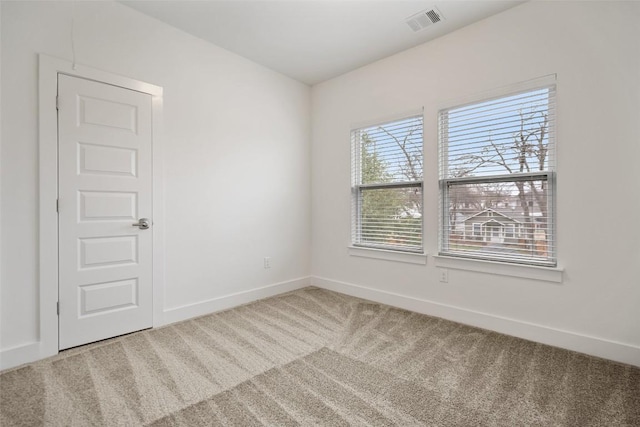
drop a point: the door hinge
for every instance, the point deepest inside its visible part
(57, 102)
(58, 205)
(58, 308)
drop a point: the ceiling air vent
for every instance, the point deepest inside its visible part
(424, 19)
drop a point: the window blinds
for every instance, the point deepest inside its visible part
(497, 178)
(387, 185)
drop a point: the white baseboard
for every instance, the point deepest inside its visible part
(232, 300)
(598, 347)
(16, 356)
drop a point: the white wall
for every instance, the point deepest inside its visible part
(236, 157)
(594, 47)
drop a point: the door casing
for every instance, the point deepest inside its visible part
(49, 68)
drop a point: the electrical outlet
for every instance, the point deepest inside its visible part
(267, 262)
(443, 275)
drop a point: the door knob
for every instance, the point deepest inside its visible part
(142, 224)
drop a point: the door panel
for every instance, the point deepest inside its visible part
(103, 160)
(105, 186)
(103, 205)
(107, 113)
(109, 296)
(108, 251)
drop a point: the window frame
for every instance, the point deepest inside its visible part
(373, 250)
(548, 175)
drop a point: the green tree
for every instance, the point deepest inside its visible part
(374, 170)
(374, 203)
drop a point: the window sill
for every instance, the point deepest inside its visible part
(546, 274)
(387, 255)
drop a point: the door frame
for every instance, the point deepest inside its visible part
(49, 69)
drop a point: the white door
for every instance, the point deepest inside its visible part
(105, 186)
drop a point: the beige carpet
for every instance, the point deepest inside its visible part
(315, 357)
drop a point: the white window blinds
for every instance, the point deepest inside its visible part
(497, 178)
(387, 185)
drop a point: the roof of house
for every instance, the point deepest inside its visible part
(485, 211)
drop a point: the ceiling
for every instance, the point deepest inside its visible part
(315, 40)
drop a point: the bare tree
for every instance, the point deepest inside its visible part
(411, 165)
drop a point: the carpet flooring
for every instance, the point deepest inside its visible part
(315, 357)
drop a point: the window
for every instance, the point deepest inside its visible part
(497, 167)
(386, 172)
